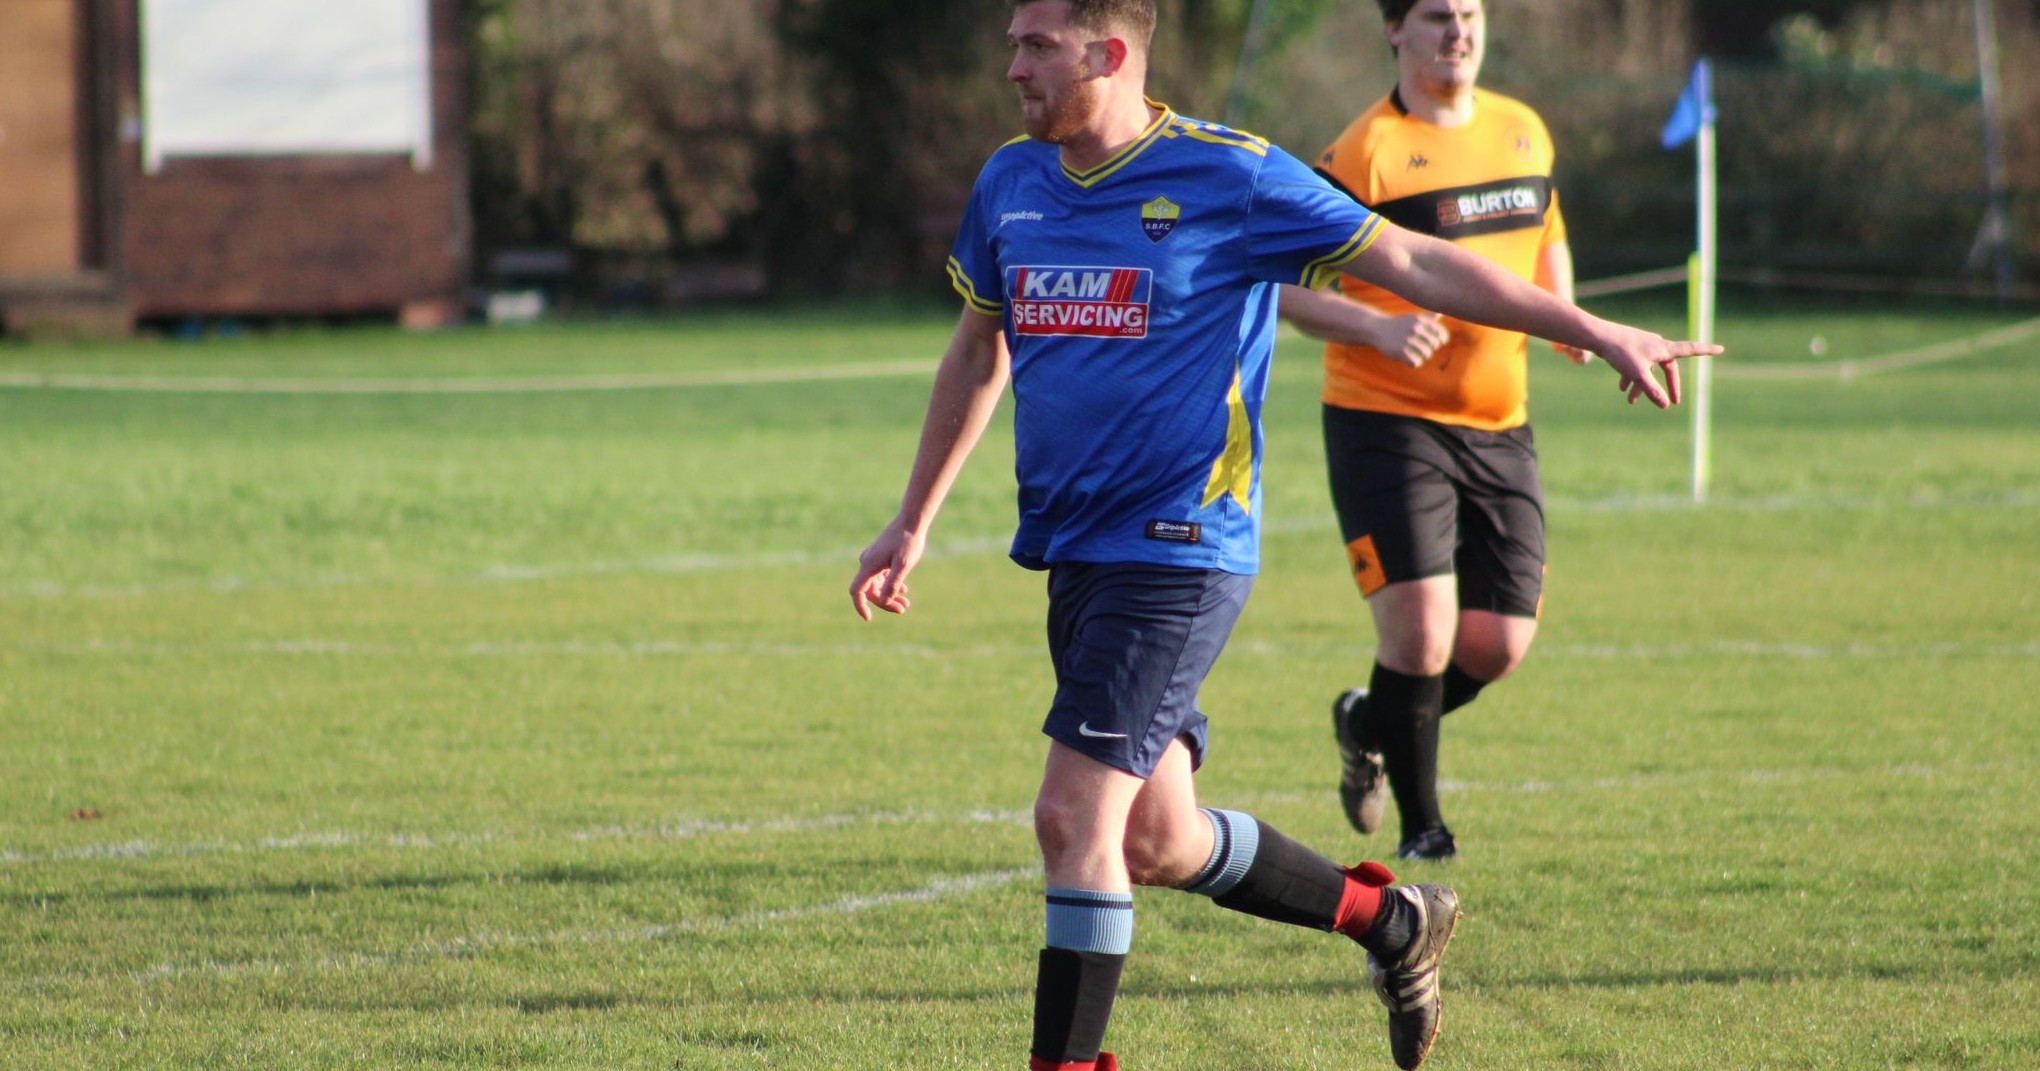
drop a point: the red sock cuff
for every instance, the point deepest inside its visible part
(1360, 904)
(1104, 1062)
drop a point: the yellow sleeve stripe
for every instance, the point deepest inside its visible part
(1248, 142)
(1320, 272)
(964, 286)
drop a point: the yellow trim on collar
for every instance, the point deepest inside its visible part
(1124, 156)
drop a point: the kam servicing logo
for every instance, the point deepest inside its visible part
(1094, 302)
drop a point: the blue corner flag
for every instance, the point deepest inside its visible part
(1694, 109)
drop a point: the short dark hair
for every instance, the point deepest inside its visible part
(1134, 17)
(1398, 10)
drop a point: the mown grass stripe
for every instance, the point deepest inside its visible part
(797, 826)
(467, 946)
(846, 556)
(478, 385)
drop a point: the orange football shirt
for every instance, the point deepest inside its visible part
(1485, 186)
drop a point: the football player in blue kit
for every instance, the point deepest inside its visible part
(1119, 266)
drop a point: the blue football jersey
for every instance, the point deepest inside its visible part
(1138, 300)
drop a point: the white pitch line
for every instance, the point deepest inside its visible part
(1652, 782)
(318, 648)
(690, 829)
(938, 889)
(1855, 368)
(1812, 652)
(687, 829)
(499, 574)
(1909, 771)
(935, 890)
(528, 385)
(30, 380)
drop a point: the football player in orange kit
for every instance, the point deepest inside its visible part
(1428, 445)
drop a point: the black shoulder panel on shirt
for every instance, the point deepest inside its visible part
(1336, 184)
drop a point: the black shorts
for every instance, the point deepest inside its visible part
(1417, 499)
(1131, 645)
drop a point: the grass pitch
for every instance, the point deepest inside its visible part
(479, 730)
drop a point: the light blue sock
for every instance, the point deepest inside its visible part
(1236, 839)
(1082, 920)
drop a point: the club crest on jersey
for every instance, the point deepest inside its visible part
(1158, 217)
(1094, 302)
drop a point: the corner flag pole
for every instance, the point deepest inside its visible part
(1693, 120)
(1702, 283)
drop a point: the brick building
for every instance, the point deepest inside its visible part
(171, 158)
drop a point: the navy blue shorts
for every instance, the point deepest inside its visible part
(1131, 645)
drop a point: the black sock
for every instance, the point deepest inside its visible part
(1403, 712)
(1073, 994)
(1394, 927)
(1460, 688)
(1287, 882)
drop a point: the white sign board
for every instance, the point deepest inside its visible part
(286, 77)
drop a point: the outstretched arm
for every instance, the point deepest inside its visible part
(967, 388)
(1555, 273)
(1334, 317)
(1439, 275)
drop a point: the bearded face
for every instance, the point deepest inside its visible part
(1057, 115)
(1052, 70)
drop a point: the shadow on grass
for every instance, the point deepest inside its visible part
(203, 894)
(540, 1003)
